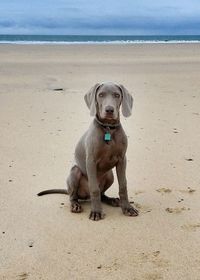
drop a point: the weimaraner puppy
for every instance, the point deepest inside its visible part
(100, 149)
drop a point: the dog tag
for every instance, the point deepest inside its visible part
(107, 136)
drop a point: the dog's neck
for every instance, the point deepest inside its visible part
(107, 125)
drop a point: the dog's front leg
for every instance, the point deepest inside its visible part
(127, 209)
(95, 194)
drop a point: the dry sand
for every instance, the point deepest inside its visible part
(39, 237)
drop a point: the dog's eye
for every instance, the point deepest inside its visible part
(117, 95)
(100, 94)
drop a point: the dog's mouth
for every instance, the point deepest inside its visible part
(109, 116)
(109, 119)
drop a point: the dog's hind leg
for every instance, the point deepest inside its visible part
(73, 182)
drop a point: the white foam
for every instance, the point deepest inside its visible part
(100, 42)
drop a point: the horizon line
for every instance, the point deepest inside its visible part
(114, 35)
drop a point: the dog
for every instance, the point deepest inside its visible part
(99, 150)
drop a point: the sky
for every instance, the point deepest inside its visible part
(97, 17)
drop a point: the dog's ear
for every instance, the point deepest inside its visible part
(90, 99)
(127, 101)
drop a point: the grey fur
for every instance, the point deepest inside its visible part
(95, 158)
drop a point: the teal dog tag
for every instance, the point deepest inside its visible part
(107, 136)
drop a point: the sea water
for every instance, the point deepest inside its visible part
(92, 39)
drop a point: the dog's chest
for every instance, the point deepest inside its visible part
(109, 155)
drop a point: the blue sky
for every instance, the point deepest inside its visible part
(97, 17)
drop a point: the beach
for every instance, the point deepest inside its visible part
(42, 117)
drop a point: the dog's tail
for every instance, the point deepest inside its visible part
(62, 191)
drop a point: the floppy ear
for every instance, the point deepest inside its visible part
(90, 99)
(127, 101)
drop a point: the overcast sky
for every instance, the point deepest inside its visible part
(97, 17)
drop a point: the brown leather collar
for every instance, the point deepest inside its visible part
(107, 125)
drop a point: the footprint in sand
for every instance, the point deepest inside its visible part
(53, 84)
(175, 130)
(189, 190)
(155, 258)
(149, 256)
(58, 89)
(153, 276)
(23, 276)
(30, 243)
(176, 210)
(142, 208)
(164, 190)
(189, 159)
(191, 227)
(138, 192)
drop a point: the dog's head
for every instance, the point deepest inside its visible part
(105, 99)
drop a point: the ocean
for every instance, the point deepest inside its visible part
(92, 39)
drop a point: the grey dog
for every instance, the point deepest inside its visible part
(99, 150)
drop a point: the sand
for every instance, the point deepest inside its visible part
(39, 237)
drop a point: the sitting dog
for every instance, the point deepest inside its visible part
(100, 149)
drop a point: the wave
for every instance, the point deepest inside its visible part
(101, 42)
(93, 39)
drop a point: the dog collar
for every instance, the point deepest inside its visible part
(108, 127)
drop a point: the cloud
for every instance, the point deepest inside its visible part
(97, 17)
(6, 23)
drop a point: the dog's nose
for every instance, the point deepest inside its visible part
(109, 110)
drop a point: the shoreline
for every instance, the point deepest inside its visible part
(99, 39)
(101, 43)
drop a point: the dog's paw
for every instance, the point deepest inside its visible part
(115, 202)
(130, 211)
(76, 207)
(96, 216)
